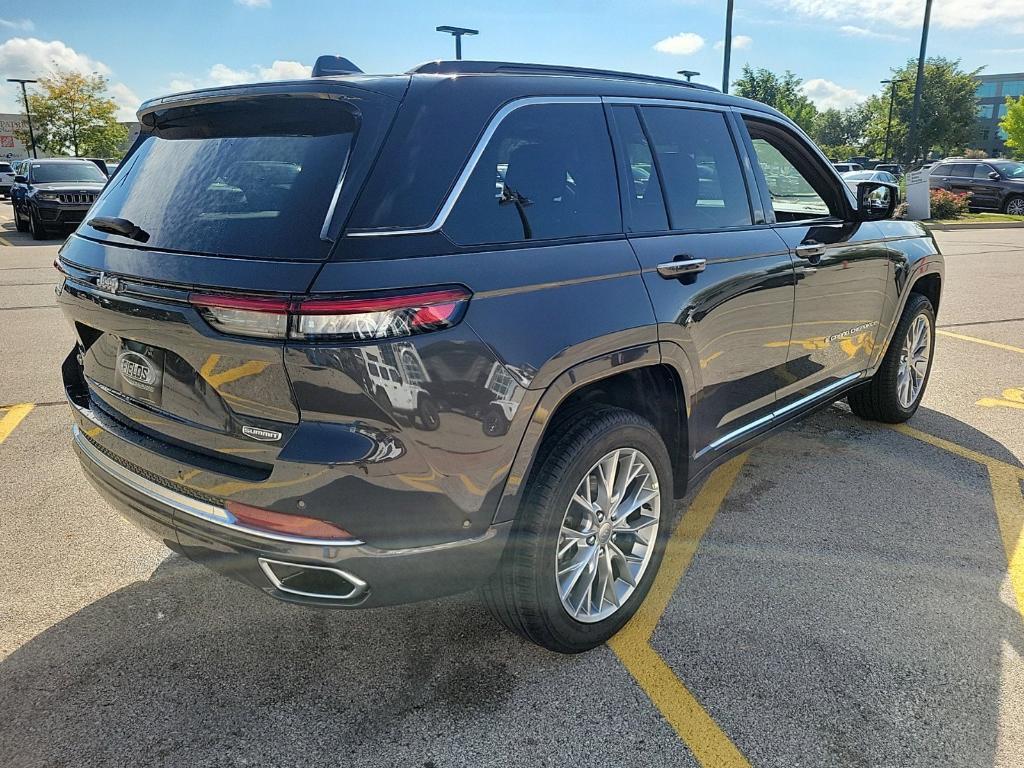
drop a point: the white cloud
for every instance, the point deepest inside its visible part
(253, 3)
(126, 100)
(848, 30)
(29, 57)
(683, 44)
(1007, 50)
(22, 25)
(828, 95)
(222, 74)
(899, 13)
(739, 42)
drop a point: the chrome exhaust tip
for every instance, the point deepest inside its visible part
(316, 581)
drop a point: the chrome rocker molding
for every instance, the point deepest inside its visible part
(186, 504)
(359, 587)
(767, 419)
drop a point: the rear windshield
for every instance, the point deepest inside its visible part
(252, 178)
(45, 173)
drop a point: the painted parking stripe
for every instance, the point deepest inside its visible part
(1009, 504)
(13, 418)
(976, 340)
(698, 730)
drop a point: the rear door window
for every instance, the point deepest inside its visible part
(546, 173)
(251, 178)
(964, 170)
(700, 169)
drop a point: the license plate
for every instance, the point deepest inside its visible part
(140, 371)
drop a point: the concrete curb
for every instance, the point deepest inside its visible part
(976, 225)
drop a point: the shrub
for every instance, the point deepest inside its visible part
(948, 205)
(901, 211)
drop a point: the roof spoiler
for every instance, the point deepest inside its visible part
(334, 65)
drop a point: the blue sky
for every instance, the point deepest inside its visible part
(151, 48)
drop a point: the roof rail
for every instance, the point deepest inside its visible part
(462, 67)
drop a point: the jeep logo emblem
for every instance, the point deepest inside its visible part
(138, 370)
(108, 283)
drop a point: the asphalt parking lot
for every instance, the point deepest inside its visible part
(845, 594)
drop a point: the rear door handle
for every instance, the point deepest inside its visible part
(671, 270)
(812, 252)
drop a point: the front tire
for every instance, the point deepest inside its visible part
(1014, 205)
(35, 227)
(894, 393)
(590, 535)
(18, 223)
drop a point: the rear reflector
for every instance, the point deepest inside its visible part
(295, 525)
(379, 317)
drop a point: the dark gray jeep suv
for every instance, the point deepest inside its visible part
(993, 185)
(359, 340)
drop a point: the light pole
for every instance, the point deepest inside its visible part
(28, 113)
(727, 47)
(457, 33)
(888, 125)
(687, 73)
(919, 85)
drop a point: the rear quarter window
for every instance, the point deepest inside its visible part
(546, 173)
(249, 178)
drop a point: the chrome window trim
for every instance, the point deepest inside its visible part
(471, 163)
(186, 504)
(768, 418)
(649, 102)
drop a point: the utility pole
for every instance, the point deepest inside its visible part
(727, 46)
(687, 73)
(888, 125)
(28, 113)
(915, 115)
(457, 33)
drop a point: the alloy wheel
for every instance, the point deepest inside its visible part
(607, 535)
(1016, 206)
(914, 361)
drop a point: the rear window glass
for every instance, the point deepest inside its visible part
(249, 178)
(547, 172)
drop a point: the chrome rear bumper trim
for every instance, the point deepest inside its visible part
(186, 504)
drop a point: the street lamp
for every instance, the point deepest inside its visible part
(687, 73)
(727, 46)
(919, 85)
(28, 113)
(888, 125)
(457, 33)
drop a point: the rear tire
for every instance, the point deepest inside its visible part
(887, 396)
(528, 593)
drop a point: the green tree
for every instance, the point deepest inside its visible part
(72, 114)
(840, 127)
(948, 110)
(779, 91)
(1013, 124)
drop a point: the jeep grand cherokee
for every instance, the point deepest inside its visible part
(360, 340)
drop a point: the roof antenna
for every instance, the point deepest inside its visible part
(334, 65)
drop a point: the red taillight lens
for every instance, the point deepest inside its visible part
(294, 525)
(379, 317)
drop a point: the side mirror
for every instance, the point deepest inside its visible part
(994, 175)
(19, 179)
(876, 200)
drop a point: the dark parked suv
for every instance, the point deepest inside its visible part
(994, 185)
(54, 194)
(363, 340)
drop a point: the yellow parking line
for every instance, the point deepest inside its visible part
(708, 743)
(958, 449)
(4, 241)
(13, 418)
(986, 342)
(1009, 504)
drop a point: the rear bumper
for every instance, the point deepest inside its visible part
(189, 526)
